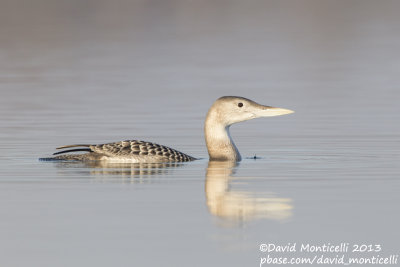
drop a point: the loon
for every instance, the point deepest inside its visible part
(225, 111)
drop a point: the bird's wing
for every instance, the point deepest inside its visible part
(135, 148)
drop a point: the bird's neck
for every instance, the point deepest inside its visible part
(220, 145)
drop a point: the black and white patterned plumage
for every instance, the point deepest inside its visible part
(124, 151)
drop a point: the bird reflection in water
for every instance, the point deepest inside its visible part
(240, 206)
(129, 172)
(222, 201)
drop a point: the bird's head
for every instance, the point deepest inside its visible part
(228, 110)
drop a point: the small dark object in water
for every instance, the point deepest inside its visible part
(254, 157)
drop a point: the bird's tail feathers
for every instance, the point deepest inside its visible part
(73, 150)
(69, 146)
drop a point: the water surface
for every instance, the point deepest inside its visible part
(96, 72)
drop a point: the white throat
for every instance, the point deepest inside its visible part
(219, 143)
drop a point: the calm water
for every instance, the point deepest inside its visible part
(101, 71)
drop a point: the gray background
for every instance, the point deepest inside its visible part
(104, 71)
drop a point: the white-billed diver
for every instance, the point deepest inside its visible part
(225, 111)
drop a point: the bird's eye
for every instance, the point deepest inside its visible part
(240, 104)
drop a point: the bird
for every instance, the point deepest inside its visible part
(224, 112)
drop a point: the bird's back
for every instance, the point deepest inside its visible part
(130, 151)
